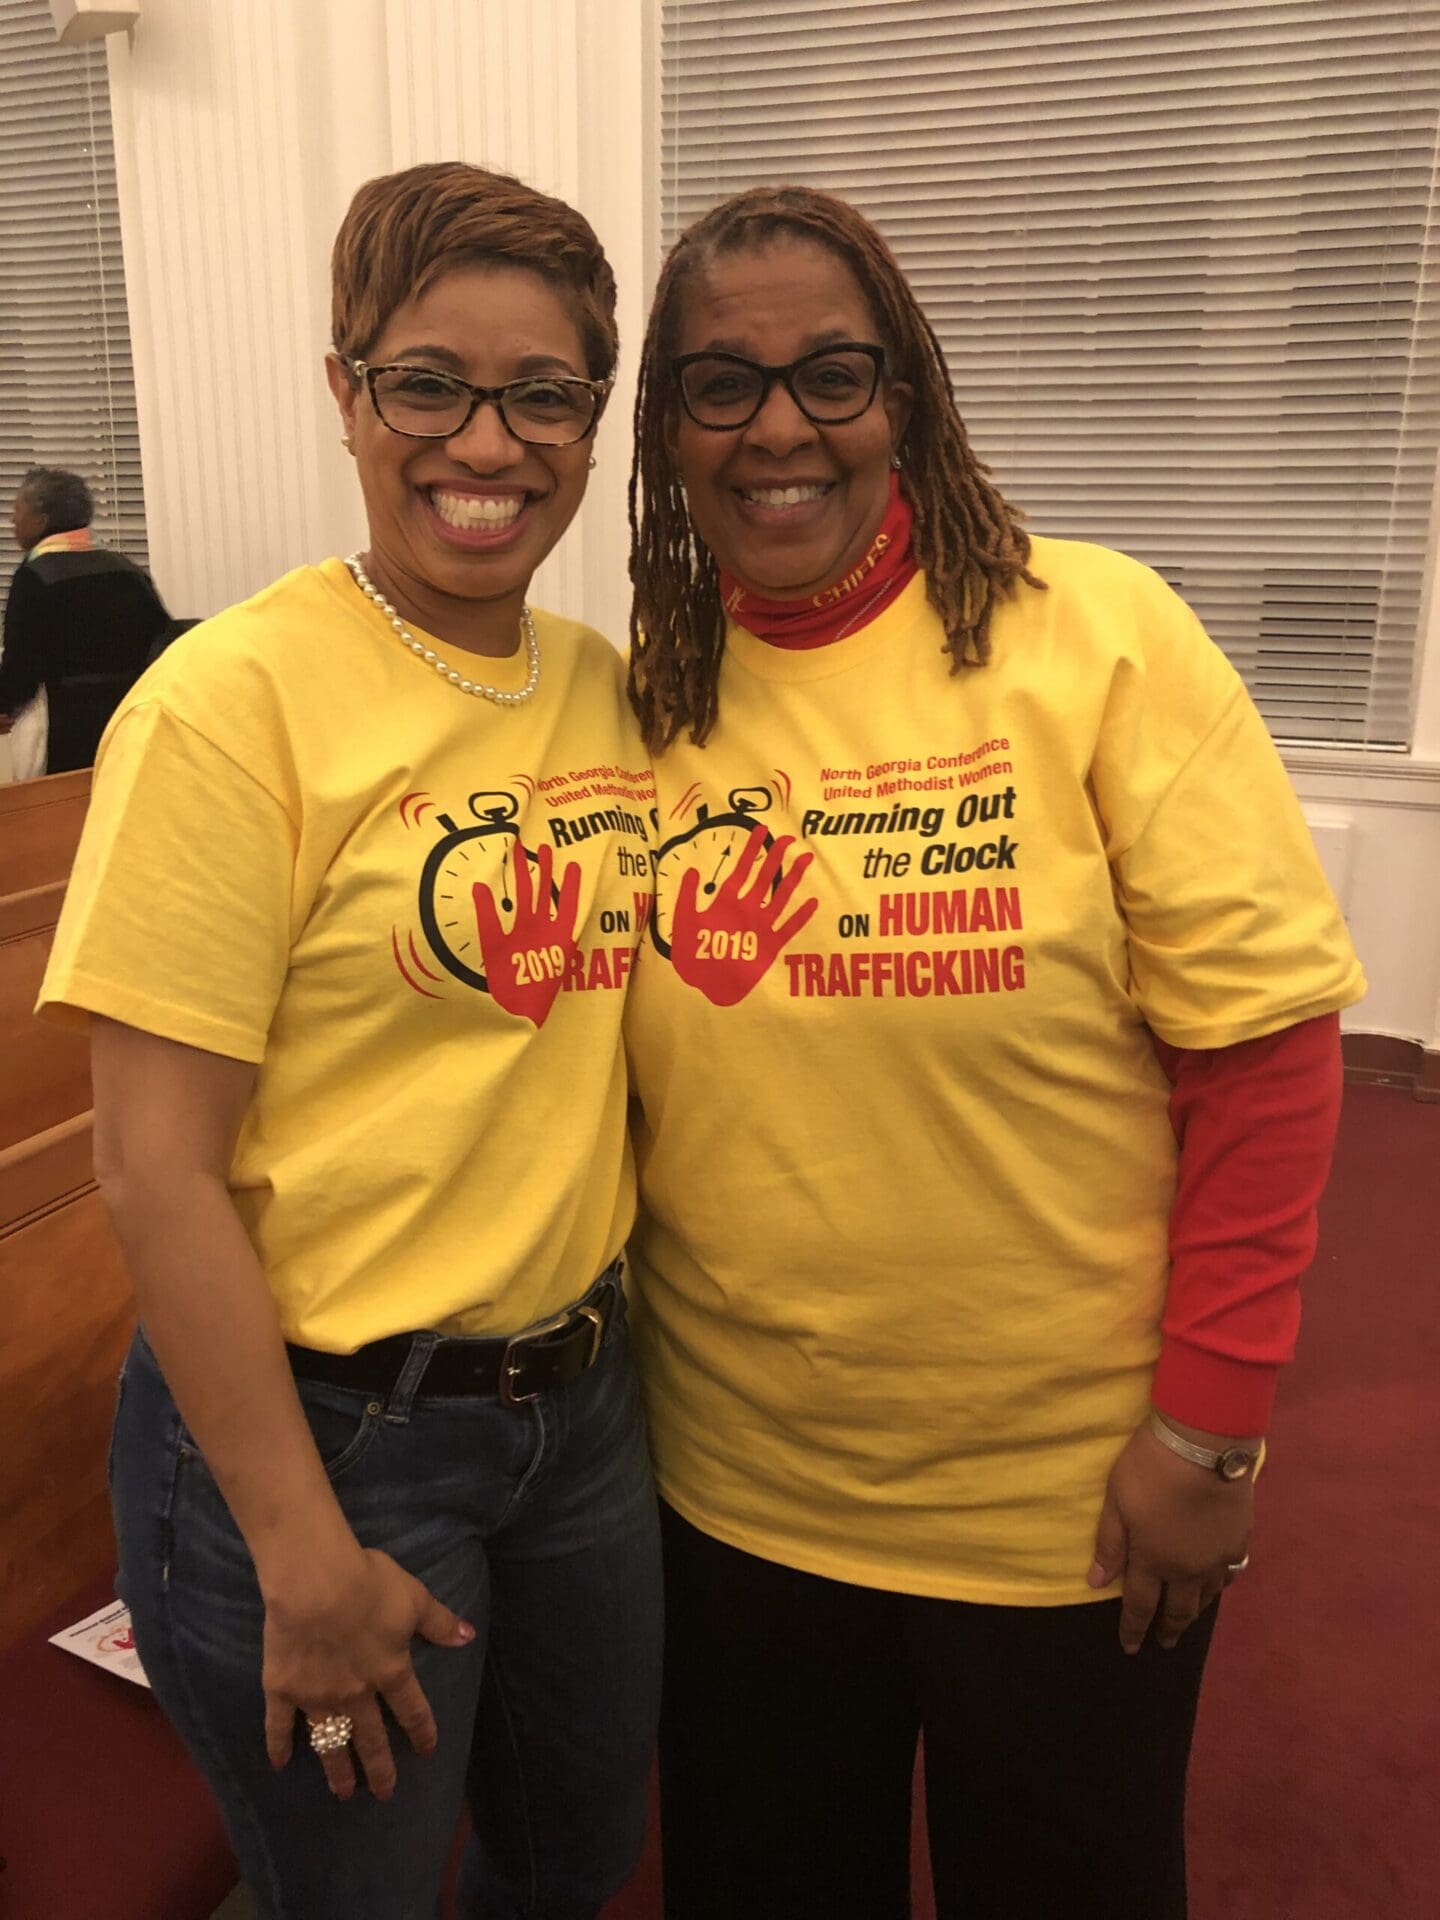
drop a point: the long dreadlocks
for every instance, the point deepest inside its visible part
(967, 539)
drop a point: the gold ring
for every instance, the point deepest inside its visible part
(332, 1733)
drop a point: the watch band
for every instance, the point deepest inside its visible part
(1231, 1463)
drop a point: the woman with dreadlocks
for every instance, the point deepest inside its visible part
(987, 1047)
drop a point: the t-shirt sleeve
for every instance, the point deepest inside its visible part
(177, 918)
(1233, 930)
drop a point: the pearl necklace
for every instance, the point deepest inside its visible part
(499, 695)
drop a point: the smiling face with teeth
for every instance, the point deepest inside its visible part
(788, 507)
(458, 526)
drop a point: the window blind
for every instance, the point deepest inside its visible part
(1181, 262)
(67, 388)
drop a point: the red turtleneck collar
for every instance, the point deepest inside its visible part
(820, 618)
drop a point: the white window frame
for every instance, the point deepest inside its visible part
(1422, 750)
(67, 390)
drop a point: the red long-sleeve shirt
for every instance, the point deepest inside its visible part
(1256, 1127)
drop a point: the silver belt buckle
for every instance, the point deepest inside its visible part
(557, 1323)
(510, 1366)
(597, 1332)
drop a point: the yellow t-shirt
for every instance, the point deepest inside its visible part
(905, 1190)
(296, 830)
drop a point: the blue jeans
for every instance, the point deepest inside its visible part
(535, 1523)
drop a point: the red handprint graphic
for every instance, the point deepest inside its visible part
(729, 948)
(524, 967)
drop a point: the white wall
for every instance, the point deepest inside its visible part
(1376, 819)
(1379, 836)
(242, 127)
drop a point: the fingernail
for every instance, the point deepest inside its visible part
(464, 1633)
(1097, 1576)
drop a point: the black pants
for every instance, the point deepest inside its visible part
(1054, 1763)
(79, 713)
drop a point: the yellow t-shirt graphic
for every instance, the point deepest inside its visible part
(418, 913)
(906, 1163)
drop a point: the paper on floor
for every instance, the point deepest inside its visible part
(106, 1638)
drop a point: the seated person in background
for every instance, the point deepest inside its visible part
(79, 621)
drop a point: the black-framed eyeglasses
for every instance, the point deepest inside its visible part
(544, 410)
(723, 391)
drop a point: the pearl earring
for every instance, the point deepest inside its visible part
(591, 462)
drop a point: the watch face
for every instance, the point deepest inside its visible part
(484, 851)
(711, 846)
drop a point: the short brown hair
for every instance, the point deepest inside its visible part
(967, 537)
(404, 230)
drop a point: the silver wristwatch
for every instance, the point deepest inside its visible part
(1232, 1463)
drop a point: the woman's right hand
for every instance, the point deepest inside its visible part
(337, 1640)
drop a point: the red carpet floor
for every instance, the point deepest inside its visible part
(1316, 1780)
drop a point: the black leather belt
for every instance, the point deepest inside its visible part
(516, 1369)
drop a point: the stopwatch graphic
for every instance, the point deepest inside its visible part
(484, 852)
(712, 845)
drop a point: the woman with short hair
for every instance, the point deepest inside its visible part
(987, 1048)
(348, 925)
(80, 620)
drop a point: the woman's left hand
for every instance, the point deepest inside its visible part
(1173, 1531)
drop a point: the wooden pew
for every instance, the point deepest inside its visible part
(65, 1311)
(101, 1811)
(44, 1070)
(40, 822)
(67, 1319)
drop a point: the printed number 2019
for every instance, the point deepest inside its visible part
(534, 964)
(718, 943)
